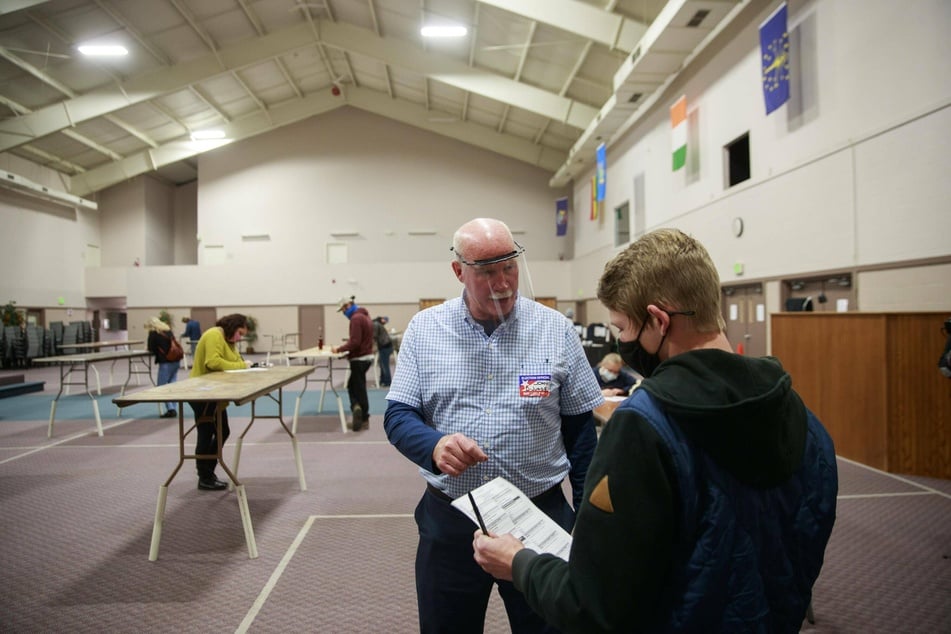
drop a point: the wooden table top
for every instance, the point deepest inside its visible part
(316, 353)
(90, 357)
(603, 412)
(239, 386)
(97, 345)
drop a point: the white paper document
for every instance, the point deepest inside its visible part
(505, 509)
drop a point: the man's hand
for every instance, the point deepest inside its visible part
(456, 453)
(495, 553)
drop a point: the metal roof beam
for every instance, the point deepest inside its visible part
(18, 130)
(587, 21)
(313, 105)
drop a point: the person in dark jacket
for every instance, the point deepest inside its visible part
(192, 332)
(612, 378)
(159, 342)
(711, 495)
(359, 349)
(384, 348)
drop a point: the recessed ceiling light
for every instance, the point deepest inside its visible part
(443, 30)
(207, 135)
(103, 50)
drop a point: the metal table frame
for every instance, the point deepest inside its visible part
(74, 363)
(320, 355)
(97, 346)
(243, 386)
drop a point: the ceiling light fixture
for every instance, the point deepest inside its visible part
(443, 30)
(103, 50)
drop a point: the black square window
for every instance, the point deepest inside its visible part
(738, 160)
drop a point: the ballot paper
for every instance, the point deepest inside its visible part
(505, 509)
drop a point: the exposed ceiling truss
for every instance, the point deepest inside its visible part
(540, 81)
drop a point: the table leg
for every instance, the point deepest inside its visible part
(237, 457)
(343, 418)
(330, 380)
(95, 410)
(63, 373)
(157, 524)
(292, 433)
(163, 491)
(246, 522)
(49, 432)
(296, 410)
(98, 382)
(300, 396)
(300, 464)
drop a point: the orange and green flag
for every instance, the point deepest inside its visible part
(678, 124)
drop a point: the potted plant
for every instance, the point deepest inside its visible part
(252, 335)
(11, 316)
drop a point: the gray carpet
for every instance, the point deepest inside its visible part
(77, 515)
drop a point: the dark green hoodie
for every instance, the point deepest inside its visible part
(637, 564)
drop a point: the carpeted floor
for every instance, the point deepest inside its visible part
(76, 516)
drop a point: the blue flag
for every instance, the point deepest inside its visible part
(602, 171)
(561, 216)
(774, 47)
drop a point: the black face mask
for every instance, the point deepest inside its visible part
(634, 355)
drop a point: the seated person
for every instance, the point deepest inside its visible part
(612, 379)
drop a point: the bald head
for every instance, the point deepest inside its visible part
(485, 264)
(482, 239)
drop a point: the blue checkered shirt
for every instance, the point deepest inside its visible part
(507, 391)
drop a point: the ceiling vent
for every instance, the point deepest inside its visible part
(698, 17)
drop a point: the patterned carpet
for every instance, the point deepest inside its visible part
(77, 515)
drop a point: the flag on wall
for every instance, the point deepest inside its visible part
(678, 125)
(774, 46)
(601, 156)
(561, 216)
(594, 198)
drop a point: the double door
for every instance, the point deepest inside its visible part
(744, 310)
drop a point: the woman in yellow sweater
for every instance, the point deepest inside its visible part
(216, 352)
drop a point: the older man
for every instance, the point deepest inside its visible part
(488, 384)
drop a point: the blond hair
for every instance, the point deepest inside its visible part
(667, 268)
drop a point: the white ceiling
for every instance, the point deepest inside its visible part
(541, 81)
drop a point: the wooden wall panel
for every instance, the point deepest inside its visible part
(919, 398)
(873, 381)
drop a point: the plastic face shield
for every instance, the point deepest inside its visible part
(495, 283)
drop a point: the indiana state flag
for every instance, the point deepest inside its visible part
(774, 46)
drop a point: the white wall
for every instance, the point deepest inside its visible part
(346, 170)
(352, 171)
(122, 223)
(185, 222)
(159, 223)
(42, 244)
(852, 173)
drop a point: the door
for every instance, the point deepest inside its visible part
(310, 323)
(206, 317)
(744, 310)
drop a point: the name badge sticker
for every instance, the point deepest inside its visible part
(534, 385)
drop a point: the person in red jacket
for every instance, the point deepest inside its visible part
(359, 349)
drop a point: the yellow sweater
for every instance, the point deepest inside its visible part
(215, 354)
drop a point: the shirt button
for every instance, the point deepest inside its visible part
(489, 377)
(488, 411)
